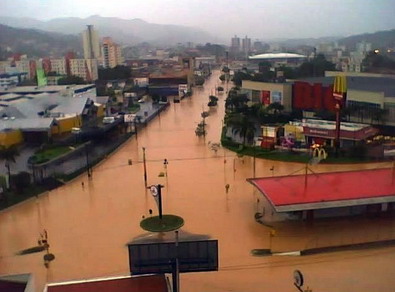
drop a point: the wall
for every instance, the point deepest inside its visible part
(281, 92)
(10, 138)
(63, 125)
(308, 96)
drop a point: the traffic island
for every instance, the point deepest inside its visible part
(167, 223)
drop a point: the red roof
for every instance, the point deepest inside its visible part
(152, 283)
(328, 190)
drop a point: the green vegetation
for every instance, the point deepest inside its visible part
(10, 198)
(213, 100)
(134, 108)
(48, 154)
(118, 72)
(167, 223)
(68, 80)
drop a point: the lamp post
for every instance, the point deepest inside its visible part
(88, 167)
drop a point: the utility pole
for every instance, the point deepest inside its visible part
(88, 167)
(145, 168)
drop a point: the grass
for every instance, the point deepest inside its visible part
(49, 154)
(167, 223)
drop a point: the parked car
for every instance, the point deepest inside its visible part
(108, 120)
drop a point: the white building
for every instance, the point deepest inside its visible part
(59, 66)
(84, 68)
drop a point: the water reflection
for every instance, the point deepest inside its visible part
(90, 224)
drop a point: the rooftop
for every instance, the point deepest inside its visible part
(149, 283)
(277, 56)
(328, 190)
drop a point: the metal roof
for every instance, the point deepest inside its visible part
(277, 56)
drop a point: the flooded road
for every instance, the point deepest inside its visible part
(89, 225)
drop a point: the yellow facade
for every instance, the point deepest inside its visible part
(296, 131)
(64, 125)
(100, 111)
(10, 138)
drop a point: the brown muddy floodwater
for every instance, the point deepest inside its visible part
(89, 227)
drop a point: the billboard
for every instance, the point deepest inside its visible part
(193, 256)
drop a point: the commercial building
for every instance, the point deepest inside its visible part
(320, 195)
(90, 42)
(268, 92)
(111, 53)
(370, 99)
(10, 80)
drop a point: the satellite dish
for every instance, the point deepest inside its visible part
(298, 278)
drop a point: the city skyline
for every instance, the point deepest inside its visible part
(258, 19)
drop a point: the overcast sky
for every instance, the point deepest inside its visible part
(223, 18)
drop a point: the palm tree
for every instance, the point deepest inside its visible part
(275, 107)
(241, 125)
(8, 155)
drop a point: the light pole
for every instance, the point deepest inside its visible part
(145, 168)
(88, 168)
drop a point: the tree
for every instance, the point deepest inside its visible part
(236, 101)
(213, 100)
(242, 125)
(118, 72)
(69, 80)
(275, 107)
(9, 156)
(316, 67)
(199, 80)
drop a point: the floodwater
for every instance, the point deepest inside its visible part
(89, 225)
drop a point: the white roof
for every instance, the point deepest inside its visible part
(276, 56)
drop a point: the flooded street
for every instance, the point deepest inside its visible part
(89, 225)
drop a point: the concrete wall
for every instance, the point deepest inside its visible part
(285, 89)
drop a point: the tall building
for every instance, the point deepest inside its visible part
(246, 45)
(111, 53)
(90, 42)
(235, 44)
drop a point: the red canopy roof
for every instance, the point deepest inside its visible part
(151, 283)
(328, 190)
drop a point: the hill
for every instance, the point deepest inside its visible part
(380, 39)
(36, 43)
(124, 31)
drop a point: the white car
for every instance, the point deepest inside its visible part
(108, 120)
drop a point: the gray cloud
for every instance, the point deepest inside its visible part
(223, 18)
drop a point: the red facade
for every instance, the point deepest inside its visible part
(316, 96)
